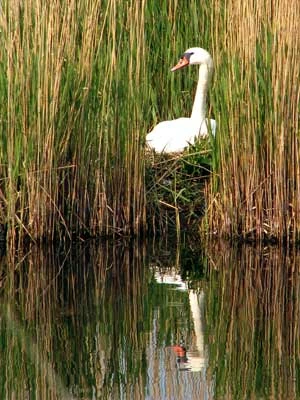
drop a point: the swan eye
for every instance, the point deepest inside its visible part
(187, 55)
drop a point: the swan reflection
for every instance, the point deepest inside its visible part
(195, 358)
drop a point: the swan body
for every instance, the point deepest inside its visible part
(175, 135)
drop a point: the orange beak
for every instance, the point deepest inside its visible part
(180, 351)
(183, 62)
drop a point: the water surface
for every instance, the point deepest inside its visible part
(150, 321)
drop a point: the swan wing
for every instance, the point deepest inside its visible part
(172, 136)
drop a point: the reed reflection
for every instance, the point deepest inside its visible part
(253, 321)
(127, 321)
(70, 322)
(93, 322)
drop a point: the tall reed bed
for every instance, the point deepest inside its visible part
(256, 190)
(81, 82)
(71, 117)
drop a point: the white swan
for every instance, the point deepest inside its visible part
(174, 136)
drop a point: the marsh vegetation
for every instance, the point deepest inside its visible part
(82, 82)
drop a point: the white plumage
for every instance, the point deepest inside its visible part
(175, 135)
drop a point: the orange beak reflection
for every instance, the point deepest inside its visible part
(183, 62)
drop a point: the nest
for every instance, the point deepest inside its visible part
(175, 184)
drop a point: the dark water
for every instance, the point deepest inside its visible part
(151, 321)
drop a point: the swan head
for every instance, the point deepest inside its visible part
(192, 56)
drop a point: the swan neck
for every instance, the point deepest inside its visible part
(199, 107)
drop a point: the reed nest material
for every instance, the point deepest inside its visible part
(175, 186)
